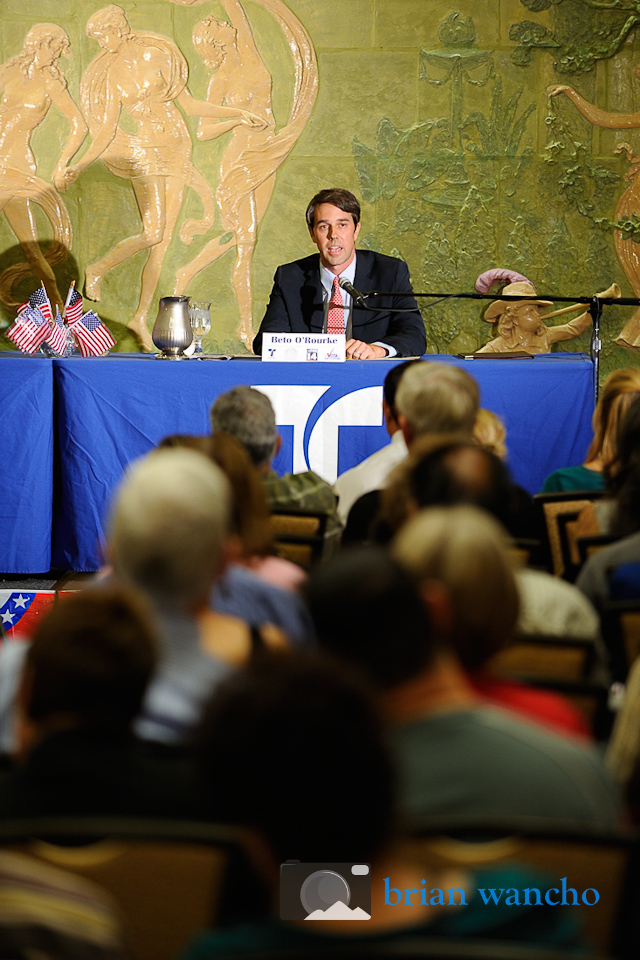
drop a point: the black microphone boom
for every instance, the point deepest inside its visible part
(351, 290)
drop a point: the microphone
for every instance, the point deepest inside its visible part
(356, 296)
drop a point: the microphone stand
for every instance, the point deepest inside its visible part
(593, 304)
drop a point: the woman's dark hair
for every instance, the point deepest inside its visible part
(92, 656)
(293, 746)
(623, 477)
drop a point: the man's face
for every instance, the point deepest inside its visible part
(334, 233)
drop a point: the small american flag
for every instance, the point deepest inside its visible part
(93, 337)
(29, 331)
(73, 308)
(40, 300)
(57, 337)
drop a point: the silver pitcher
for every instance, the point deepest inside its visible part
(172, 331)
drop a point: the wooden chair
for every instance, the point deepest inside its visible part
(552, 506)
(533, 656)
(169, 879)
(620, 621)
(524, 551)
(300, 536)
(589, 858)
(422, 948)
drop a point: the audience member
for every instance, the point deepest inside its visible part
(432, 398)
(448, 470)
(250, 511)
(436, 398)
(491, 433)
(455, 753)
(619, 389)
(467, 551)
(85, 676)
(373, 472)
(247, 415)
(293, 751)
(623, 484)
(168, 534)
(623, 751)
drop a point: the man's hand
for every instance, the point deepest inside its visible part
(357, 350)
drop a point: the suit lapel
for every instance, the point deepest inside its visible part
(312, 296)
(363, 280)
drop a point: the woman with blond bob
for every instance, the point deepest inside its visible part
(466, 550)
(620, 388)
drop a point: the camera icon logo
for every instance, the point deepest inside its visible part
(325, 891)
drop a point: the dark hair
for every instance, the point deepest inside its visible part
(93, 656)
(437, 474)
(392, 382)
(293, 746)
(366, 609)
(623, 477)
(438, 479)
(343, 199)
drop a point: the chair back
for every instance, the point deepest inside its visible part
(589, 858)
(299, 536)
(169, 880)
(621, 633)
(553, 506)
(534, 655)
(421, 948)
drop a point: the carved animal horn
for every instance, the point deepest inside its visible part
(612, 291)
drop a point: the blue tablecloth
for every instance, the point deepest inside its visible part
(113, 410)
(26, 475)
(109, 411)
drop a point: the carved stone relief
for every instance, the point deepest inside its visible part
(133, 98)
(31, 83)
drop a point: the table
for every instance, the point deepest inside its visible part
(108, 411)
(26, 474)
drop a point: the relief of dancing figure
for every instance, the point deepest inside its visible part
(248, 167)
(31, 83)
(628, 250)
(144, 75)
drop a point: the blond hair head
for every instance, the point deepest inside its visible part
(619, 389)
(465, 549)
(168, 526)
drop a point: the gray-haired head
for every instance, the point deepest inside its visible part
(437, 398)
(247, 415)
(168, 525)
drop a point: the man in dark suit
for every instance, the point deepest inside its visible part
(306, 297)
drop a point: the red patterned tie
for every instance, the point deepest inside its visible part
(335, 316)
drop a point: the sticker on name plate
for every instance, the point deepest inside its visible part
(304, 347)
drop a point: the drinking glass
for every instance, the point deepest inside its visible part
(200, 318)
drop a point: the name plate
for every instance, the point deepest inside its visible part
(304, 347)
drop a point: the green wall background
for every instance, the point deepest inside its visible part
(434, 111)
